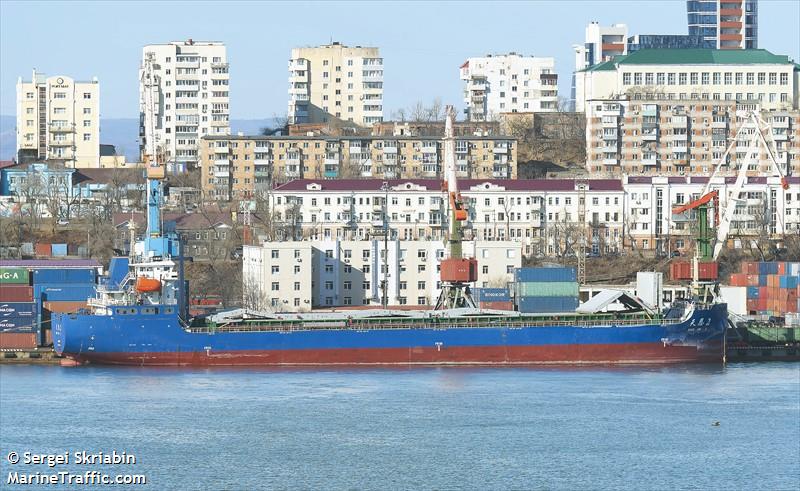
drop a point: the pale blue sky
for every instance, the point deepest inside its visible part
(422, 43)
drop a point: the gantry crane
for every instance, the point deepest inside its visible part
(456, 271)
(710, 201)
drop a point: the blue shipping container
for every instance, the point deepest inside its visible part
(59, 250)
(492, 295)
(61, 292)
(19, 324)
(789, 281)
(767, 268)
(529, 275)
(17, 309)
(752, 292)
(532, 305)
(64, 276)
(762, 279)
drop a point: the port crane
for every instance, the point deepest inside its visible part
(456, 271)
(708, 206)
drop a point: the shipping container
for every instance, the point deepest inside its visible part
(530, 305)
(765, 268)
(61, 292)
(83, 251)
(707, 270)
(752, 292)
(491, 294)
(17, 309)
(18, 340)
(14, 276)
(738, 279)
(16, 293)
(43, 249)
(19, 324)
(547, 289)
(526, 275)
(459, 270)
(59, 250)
(64, 307)
(507, 305)
(27, 248)
(750, 268)
(63, 275)
(789, 281)
(735, 297)
(72, 249)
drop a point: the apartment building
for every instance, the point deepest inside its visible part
(334, 82)
(541, 214)
(695, 74)
(544, 215)
(300, 275)
(508, 83)
(601, 43)
(765, 209)
(657, 137)
(58, 118)
(192, 97)
(728, 24)
(239, 167)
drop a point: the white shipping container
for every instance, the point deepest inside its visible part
(735, 297)
(649, 288)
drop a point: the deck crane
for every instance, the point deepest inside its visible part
(456, 271)
(709, 246)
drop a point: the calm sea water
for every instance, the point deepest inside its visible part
(421, 428)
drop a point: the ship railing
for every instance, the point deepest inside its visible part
(427, 324)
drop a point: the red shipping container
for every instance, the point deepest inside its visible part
(459, 270)
(752, 304)
(16, 293)
(762, 304)
(18, 340)
(738, 279)
(43, 249)
(781, 268)
(752, 280)
(708, 270)
(750, 268)
(508, 305)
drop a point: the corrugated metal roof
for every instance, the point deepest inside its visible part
(463, 184)
(693, 56)
(49, 263)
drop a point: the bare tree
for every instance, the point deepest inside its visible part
(253, 296)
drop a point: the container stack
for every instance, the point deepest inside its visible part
(30, 290)
(493, 298)
(544, 290)
(773, 288)
(19, 328)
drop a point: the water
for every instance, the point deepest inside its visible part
(428, 428)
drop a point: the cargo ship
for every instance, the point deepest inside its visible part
(139, 317)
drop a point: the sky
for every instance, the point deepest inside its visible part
(422, 43)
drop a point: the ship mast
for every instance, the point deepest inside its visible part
(456, 271)
(155, 243)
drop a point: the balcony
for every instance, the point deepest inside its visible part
(429, 149)
(372, 78)
(730, 12)
(219, 64)
(221, 172)
(610, 161)
(387, 149)
(614, 47)
(187, 64)
(679, 121)
(611, 110)
(650, 136)
(679, 147)
(609, 148)
(222, 163)
(780, 123)
(292, 171)
(719, 124)
(61, 143)
(780, 137)
(500, 148)
(292, 162)
(610, 121)
(650, 160)
(331, 162)
(55, 128)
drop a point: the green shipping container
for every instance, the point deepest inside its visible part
(547, 289)
(17, 276)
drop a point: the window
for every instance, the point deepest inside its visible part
(87, 137)
(276, 269)
(87, 110)
(87, 95)
(296, 286)
(276, 286)
(275, 254)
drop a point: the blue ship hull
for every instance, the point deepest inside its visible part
(160, 339)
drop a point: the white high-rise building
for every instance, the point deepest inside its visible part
(192, 100)
(508, 83)
(601, 43)
(336, 83)
(58, 118)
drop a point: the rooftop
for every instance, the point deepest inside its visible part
(694, 56)
(375, 185)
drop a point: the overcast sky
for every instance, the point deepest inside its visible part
(422, 43)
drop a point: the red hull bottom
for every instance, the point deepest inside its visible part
(599, 354)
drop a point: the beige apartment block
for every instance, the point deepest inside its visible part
(58, 118)
(238, 167)
(193, 97)
(657, 137)
(745, 76)
(295, 275)
(336, 83)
